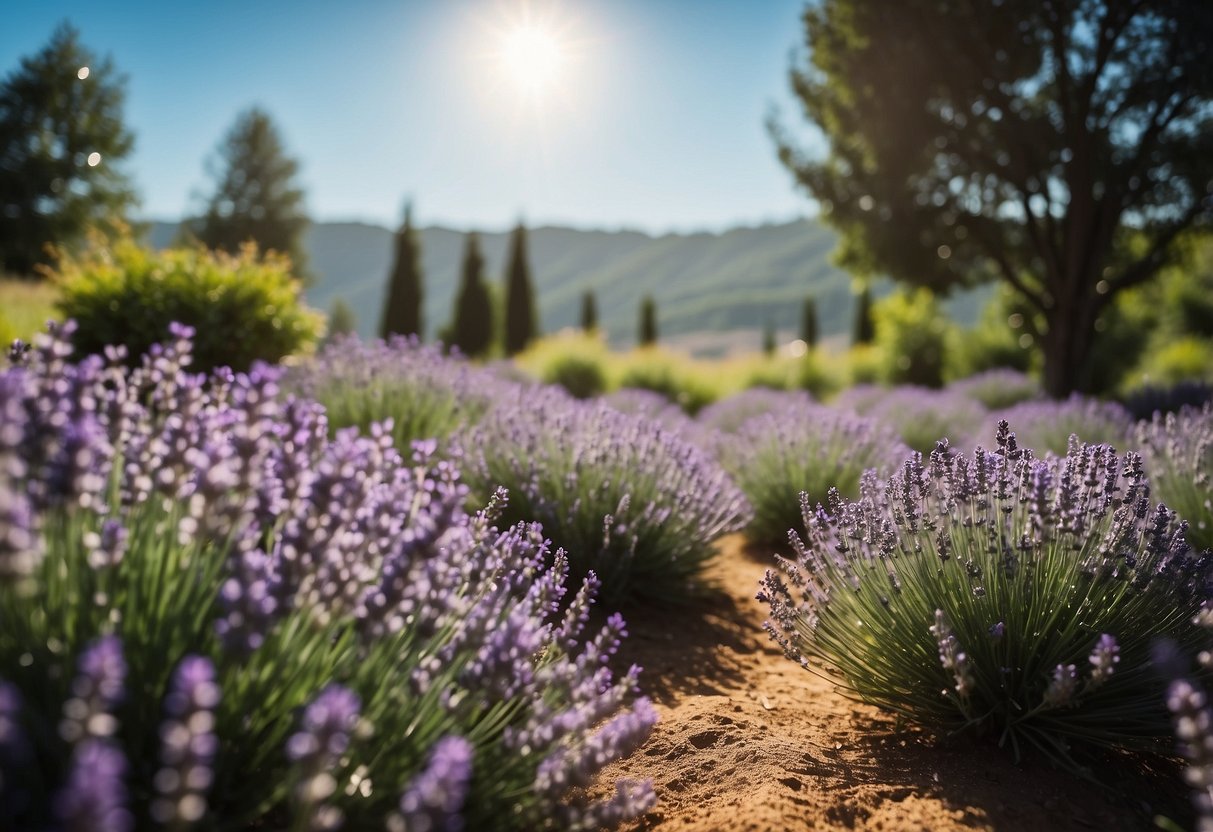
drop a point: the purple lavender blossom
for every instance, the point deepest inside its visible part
(1178, 454)
(94, 799)
(922, 416)
(433, 800)
(187, 744)
(952, 657)
(650, 405)
(1194, 729)
(326, 729)
(729, 414)
(1046, 426)
(97, 689)
(1104, 658)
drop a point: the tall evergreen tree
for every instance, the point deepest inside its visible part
(808, 322)
(864, 330)
(521, 324)
(402, 308)
(769, 339)
(61, 145)
(472, 328)
(647, 333)
(256, 196)
(589, 311)
(341, 320)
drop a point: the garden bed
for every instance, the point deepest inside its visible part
(749, 741)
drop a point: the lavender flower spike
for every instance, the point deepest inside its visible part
(188, 744)
(1194, 729)
(1062, 686)
(96, 690)
(328, 723)
(952, 657)
(434, 799)
(1104, 659)
(94, 797)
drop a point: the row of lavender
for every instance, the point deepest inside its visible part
(218, 613)
(1043, 598)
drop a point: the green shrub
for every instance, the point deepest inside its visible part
(243, 307)
(662, 378)
(581, 375)
(912, 332)
(999, 594)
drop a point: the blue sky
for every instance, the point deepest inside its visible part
(653, 120)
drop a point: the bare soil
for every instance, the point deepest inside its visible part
(750, 741)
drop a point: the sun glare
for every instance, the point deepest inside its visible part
(532, 57)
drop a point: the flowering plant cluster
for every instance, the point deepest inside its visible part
(786, 461)
(426, 394)
(632, 502)
(1046, 426)
(1178, 449)
(212, 615)
(998, 388)
(998, 592)
(651, 406)
(729, 414)
(922, 416)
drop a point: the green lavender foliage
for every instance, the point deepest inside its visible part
(1178, 449)
(998, 594)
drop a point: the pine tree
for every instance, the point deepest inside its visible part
(402, 309)
(341, 320)
(864, 331)
(769, 339)
(61, 144)
(256, 196)
(521, 325)
(589, 312)
(808, 322)
(647, 334)
(472, 328)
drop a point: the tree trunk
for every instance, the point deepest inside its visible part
(1067, 347)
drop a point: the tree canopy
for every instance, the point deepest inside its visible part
(1061, 146)
(62, 141)
(256, 197)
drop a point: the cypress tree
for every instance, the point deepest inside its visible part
(647, 335)
(865, 330)
(808, 322)
(341, 319)
(768, 339)
(472, 330)
(589, 311)
(402, 307)
(520, 319)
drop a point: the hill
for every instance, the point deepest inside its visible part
(703, 282)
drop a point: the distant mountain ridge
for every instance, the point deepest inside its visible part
(739, 279)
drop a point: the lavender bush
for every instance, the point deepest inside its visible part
(651, 406)
(1046, 426)
(426, 394)
(213, 615)
(796, 454)
(1178, 449)
(729, 414)
(998, 388)
(922, 416)
(630, 501)
(998, 593)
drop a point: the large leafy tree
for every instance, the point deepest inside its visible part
(402, 310)
(521, 320)
(257, 197)
(1062, 146)
(62, 142)
(472, 328)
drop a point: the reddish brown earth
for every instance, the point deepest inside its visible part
(750, 741)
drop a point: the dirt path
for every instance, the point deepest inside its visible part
(750, 741)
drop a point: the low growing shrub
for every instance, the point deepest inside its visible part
(661, 377)
(921, 416)
(634, 503)
(729, 414)
(213, 615)
(243, 307)
(582, 376)
(999, 594)
(999, 388)
(650, 406)
(1046, 426)
(1178, 450)
(798, 453)
(425, 393)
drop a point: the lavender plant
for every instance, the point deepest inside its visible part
(998, 593)
(630, 501)
(426, 394)
(795, 455)
(998, 388)
(652, 407)
(729, 414)
(1046, 426)
(212, 615)
(922, 416)
(1178, 449)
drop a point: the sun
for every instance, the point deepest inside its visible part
(532, 58)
